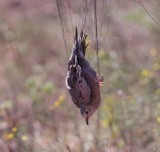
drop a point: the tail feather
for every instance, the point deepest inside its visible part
(82, 42)
(80, 46)
(76, 35)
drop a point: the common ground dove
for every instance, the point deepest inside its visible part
(81, 80)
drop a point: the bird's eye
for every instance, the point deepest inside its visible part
(87, 112)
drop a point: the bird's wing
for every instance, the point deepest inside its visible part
(93, 83)
(75, 97)
(77, 85)
(80, 92)
(84, 90)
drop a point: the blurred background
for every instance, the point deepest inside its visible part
(36, 112)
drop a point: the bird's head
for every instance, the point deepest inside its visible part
(87, 111)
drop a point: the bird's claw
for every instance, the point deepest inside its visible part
(101, 83)
(100, 80)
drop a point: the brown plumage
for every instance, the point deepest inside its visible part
(82, 81)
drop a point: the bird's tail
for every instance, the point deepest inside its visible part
(74, 49)
(80, 42)
(79, 49)
(76, 36)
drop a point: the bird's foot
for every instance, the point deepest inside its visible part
(100, 80)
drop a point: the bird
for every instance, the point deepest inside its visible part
(82, 81)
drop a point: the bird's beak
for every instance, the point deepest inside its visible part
(87, 120)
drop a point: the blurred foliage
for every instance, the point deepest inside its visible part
(36, 112)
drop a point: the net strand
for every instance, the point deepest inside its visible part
(142, 5)
(62, 27)
(96, 34)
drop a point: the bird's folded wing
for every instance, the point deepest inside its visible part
(93, 83)
(83, 90)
